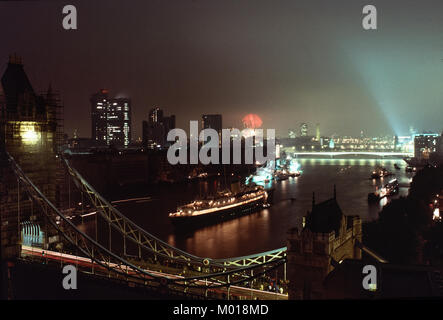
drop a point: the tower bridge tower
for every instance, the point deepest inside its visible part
(31, 131)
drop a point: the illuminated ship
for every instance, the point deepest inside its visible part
(390, 189)
(225, 205)
(270, 172)
(281, 175)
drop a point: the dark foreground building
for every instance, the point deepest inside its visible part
(393, 281)
(327, 238)
(326, 260)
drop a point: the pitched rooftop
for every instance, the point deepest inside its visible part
(325, 216)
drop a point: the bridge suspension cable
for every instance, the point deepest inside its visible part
(122, 268)
(88, 246)
(127, 228)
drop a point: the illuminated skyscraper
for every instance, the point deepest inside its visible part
(155, 115)
(111, 119)
(155, 130)
(213, 121)
(304, 129)
(425, 144)
(317, 132)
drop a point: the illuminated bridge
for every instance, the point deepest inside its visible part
(354, 153)
(135, 255)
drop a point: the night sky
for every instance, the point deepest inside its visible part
(288, 61)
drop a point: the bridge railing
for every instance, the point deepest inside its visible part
(254, 259)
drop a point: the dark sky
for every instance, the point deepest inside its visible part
(288, 61)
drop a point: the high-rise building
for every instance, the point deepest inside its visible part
(212, 121)
(304, 129)
(425, 144)
(155, 115)
(155, 130)
(111, 119)
(317, 132)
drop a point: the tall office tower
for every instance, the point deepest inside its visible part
(111, 119)
(99, 106)
(155, 130)
(119, 122)
(304, 129)
(212, 121)
(169, 123)
(317, 132)
(425, 144)
(155, 115)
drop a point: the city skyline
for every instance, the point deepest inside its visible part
(304, 128)
(226, 150)
(289, 64)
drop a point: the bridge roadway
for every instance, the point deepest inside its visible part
(86, 263)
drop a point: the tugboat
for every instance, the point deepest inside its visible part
(380, 173)
(390, 189)
(225, 205)
(282, 176)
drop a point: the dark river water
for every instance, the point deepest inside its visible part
(266, 229)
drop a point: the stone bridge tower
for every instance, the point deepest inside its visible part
(29, 132)
(328, 237)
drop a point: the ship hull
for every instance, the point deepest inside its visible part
(218, 216)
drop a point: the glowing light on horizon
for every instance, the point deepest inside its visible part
(252, 121)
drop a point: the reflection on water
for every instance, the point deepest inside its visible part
(266, 230)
